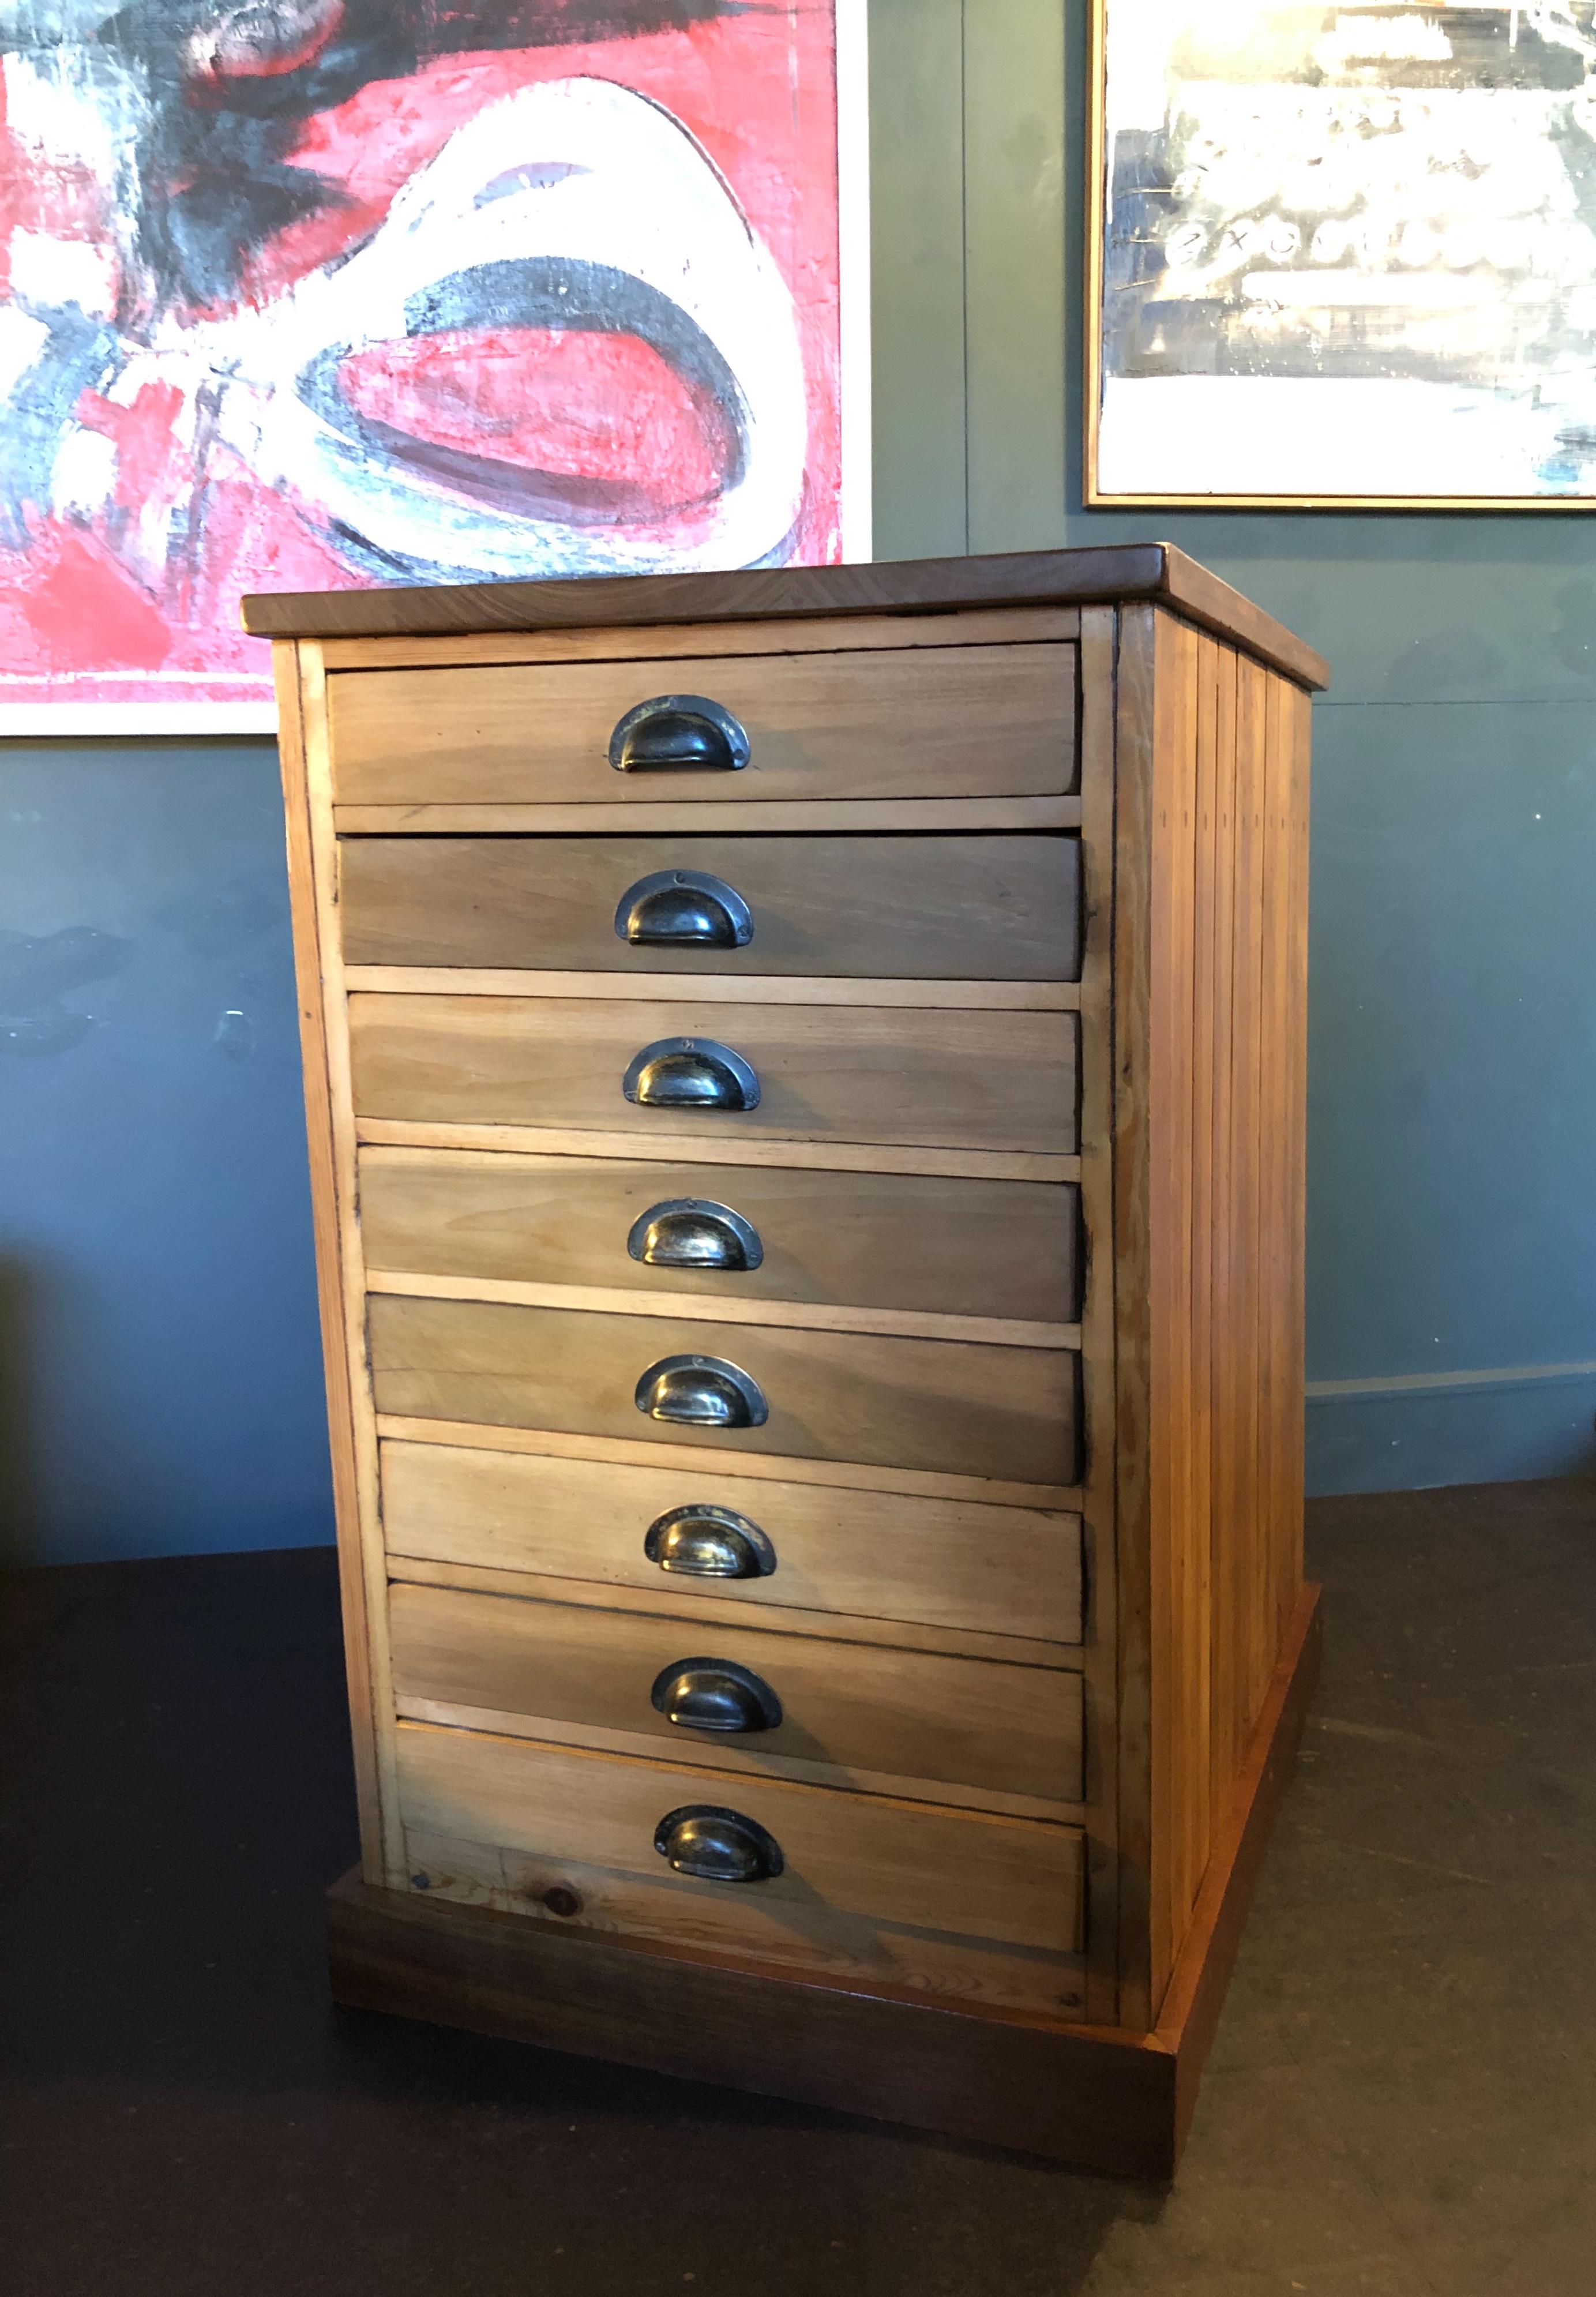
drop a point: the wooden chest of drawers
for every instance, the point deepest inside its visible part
(805, 1074)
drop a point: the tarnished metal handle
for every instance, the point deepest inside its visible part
(690, 1073)
(683, 909)
(692, 1232)
(701, 1392)
(708, 1543)
(717, 1846)
(679, 733)
(715, 1694)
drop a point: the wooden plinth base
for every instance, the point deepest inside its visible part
(1091, 2096)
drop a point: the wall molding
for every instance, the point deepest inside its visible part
(1442, 1383)
(1415, 1431)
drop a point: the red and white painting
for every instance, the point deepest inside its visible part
(305, 295)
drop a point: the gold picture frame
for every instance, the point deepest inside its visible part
(1106, 17)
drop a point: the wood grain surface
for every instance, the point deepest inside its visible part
(877, 1241)
(1153, 571)
(785, 2000)
(995, 1057)
(965, 2044)
(365, 1621)
(884, 1719)
(900, 995)
(1014, 1881)
(830, 1475)
(666, 641)
(948, 1406)
(766, 1156)
(1099, 647)
(954, 722)
(944, 1079)
(1131, 1199)
(964, 909)
(339, 1230)
(802, 1935)
(874, 1556)
(677, 1598)
(855, 817)
(783, 1315)
(1210, 999)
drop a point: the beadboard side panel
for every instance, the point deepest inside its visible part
(1210, 997)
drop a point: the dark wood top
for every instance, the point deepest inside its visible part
(1035, 578)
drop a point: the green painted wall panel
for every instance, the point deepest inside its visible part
(160, 1386)
(1453, 1220)
(917, 276)
(1452, 1052)
(1490, 609)
(1013, 77)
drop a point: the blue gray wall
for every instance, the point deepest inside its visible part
(160, 1388)
(1451, 1182)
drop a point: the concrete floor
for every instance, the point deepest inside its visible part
(1402, 2098)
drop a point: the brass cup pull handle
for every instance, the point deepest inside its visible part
(692, 1232)
(690, 1073)
(683, 909)
(708, 1543)
(701, 1392)
(715, 1694)
(679, 733)
(717, 1846)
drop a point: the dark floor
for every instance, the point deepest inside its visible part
(1402, 2098)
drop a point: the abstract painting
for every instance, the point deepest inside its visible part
(1342, 255)
(301, 294)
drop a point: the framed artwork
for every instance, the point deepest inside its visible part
(1343, 257)
(300, 294)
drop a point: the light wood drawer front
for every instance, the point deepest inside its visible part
(871, 1074)
(893, 1721)
(947, 1564)
(949, 1407)
(880, 1241)
(953, 721)
(949, 909)
(803, 1933)
(1014, 1881)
